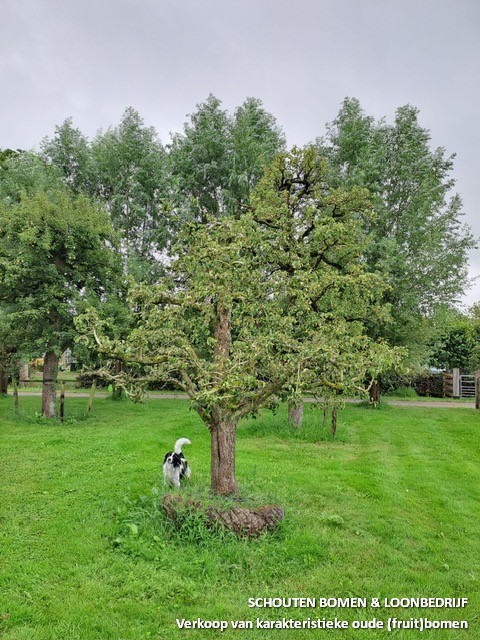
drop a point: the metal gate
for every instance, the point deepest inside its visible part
(467, 386)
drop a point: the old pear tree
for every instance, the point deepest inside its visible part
(257, 305)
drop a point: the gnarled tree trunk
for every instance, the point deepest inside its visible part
(222, 425)
(49, 390)
(295, 414)
(223, 431)
(117, 393)
(375, 391)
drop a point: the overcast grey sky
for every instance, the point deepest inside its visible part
(90, 59)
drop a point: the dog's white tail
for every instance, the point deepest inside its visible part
(179, 444)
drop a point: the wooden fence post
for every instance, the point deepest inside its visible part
(477, 389)
(15, 394)
(456, 383)
(447, 384)
(62, 402)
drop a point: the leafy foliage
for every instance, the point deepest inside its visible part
(258, 305)
(457, 342)
(69, 152)
(52, 248)
(287, 281)
(315, 242)
(218, 159)
(418, 239)
(124, 167)
(128, 163)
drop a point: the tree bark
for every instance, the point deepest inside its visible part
(223, 431)
(49, 391)
(117, 393)
(3, 381)
(62, 403)
(223, 427)
(334, 420)
(295, 414)
(374, 391)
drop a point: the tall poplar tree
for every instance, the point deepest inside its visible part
(217, 160)
(69, 152)
(419, 239)
(129, 179)
(124, 169)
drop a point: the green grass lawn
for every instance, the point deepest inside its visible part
(390, 509)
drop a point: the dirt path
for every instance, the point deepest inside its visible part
(440, 404)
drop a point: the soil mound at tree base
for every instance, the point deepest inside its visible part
(242, 521)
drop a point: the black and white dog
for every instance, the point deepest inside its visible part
(175, 467)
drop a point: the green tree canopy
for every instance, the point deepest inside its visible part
(218, 158)
(129, 178)
(54, 248)
(69, 152)
(124, 169)
(257, 301)
(456, 344)
(418, 238)
(24, 173)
